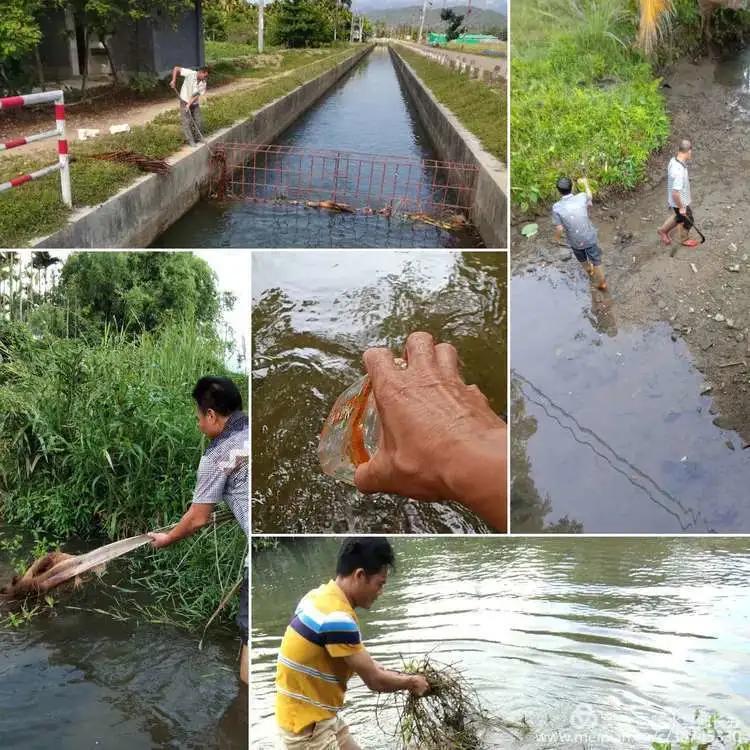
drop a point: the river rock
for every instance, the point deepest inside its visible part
(740, 337)
(724, 423)
(734, 268)
(729, 445)
(706, 388)
(564, 255)
(719, 318)
(730, 323)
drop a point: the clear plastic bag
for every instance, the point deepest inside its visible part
(351, 433)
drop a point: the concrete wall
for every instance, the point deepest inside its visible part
(173, 43)
(138, 214)
(454, 142)
(55, 49)
(155, 45)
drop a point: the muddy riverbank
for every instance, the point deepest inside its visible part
(659, 367)
(702, 293)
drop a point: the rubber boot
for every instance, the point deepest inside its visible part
(589, 268)
(598, 278)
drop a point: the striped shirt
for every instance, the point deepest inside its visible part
(311, 676)
(223, 469)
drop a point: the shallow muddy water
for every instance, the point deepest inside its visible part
(313, 316)
(75, 678)
(610, 430)
(367, 112)
(598, 643)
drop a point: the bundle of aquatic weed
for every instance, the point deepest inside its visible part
(449, 717)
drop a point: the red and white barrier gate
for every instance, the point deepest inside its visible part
(63, 163)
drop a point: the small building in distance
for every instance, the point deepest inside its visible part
(151, 46)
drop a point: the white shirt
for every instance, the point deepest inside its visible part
(678, 179)
(191, 86)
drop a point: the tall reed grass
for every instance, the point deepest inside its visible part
(98, 438)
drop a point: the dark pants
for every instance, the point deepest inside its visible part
(192, 122)
(591, 255)
(687, 219)
(244, 613)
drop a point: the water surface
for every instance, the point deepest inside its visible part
(313, 316)
(75, 678)
(614, 641)
(610, 431)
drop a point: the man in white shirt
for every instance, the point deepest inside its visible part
(678, 197)
(193, 87)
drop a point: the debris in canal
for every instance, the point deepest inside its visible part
(55, 568)
(449, 717)
(332, 206)
(35, 579)
(144, 163)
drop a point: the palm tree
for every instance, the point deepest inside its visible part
(655, 13)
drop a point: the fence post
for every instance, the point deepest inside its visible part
(336, 177)
(62, 151)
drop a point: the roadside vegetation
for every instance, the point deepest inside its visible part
(586, 98)
(480, 106)
(98, 435)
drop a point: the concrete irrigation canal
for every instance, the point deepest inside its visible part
(361, 156)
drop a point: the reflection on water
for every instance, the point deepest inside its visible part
(367, 112)
(610, 432)
(75, 679)
(313, 316)
(618, 639)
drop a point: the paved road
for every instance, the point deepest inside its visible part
(483, 62)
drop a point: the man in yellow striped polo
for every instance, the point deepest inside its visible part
(322, 648)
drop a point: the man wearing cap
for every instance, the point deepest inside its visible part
(571, 216)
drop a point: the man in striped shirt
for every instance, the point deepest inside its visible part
(222, 476)
(322, 649)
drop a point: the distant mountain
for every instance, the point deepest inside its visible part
(480, 19)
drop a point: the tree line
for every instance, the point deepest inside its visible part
(290, 23)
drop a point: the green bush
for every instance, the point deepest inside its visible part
(102, 434)
(582, 105)
(98, 437)
(144, 84)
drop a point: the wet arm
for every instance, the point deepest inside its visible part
(175, 73)
(377, 678)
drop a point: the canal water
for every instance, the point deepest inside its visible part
(76, 678)
(367, 112)
(598, 643)
(610, 431)
(314, 314)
